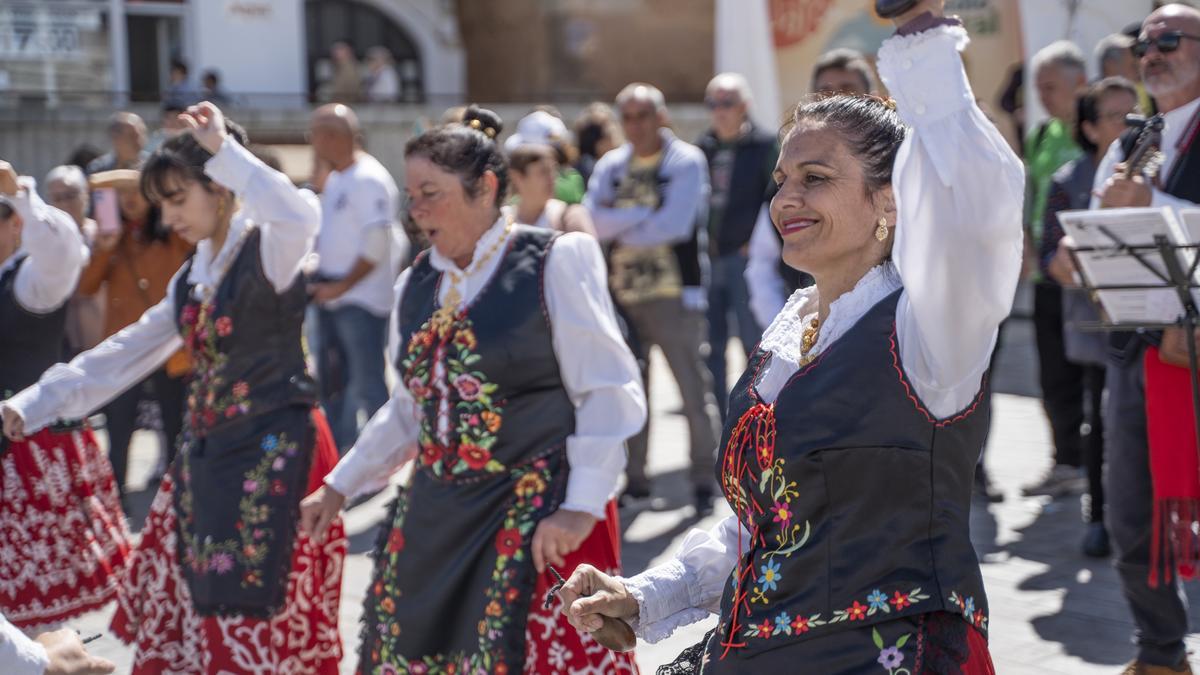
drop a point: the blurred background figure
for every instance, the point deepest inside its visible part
(741, 160)
(210, 88)
(596, 132)
(66, 189)
(843, 71)
(1114, 56)
(127, 137)
(344, 81)
(381, 83)
(649, 200)
(544, 126)
(132, 263)
(533, 170)
(180, 92)
(1099, 122)
(352, 287)
(1060, 72)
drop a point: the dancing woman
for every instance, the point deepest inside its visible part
(854, 432)
(63, 538)
(221, 582)
(515, 396)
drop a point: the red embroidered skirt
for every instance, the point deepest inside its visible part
(155, 614)
(552, 644)
(63, 537)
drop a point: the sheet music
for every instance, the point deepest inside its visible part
(1115, 266)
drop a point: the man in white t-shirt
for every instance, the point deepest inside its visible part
(352, 288)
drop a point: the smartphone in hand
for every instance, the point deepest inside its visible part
(106, 211)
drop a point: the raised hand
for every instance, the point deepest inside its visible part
(8, 180)
(14, 425)
(206, 122)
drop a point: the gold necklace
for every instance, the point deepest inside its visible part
(444, 316)
(808, 340)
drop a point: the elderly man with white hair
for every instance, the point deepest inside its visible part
(67, 190)
(1059, 72)
(649, 201)
(741, 157)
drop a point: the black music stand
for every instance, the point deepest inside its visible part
(1171, 276)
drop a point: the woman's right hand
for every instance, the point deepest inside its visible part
(590, 595)
(14, 424)
(206, 122)
(318, 510)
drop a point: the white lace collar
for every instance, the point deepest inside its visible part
(782, 337)
(207, 270)
(493, 234)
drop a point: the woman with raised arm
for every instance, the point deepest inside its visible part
(853, 435)
(221, 581)
(516, 394)
(63, 538)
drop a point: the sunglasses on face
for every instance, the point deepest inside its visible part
(1166, 43)
(720, 103)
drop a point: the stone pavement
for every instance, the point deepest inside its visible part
(1053, 610)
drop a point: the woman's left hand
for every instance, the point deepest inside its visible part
(559, 535)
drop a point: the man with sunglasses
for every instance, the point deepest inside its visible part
(741, 158)
(1168, 52)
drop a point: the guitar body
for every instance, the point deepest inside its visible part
(889, 9)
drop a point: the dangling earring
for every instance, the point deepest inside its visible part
(881, 232)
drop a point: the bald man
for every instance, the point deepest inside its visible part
(127, 135)
(352, 289)
(1169, 61)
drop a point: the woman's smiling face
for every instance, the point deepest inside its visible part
(823, 209)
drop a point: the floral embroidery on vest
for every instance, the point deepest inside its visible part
(966, 605)
(891, 658)
(512, 546)
(250, 549)
(201, 329)
(461, 395)
(876, 602)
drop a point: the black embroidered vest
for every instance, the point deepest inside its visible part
(29, 343)
(857, 500)
(245, 344)
(454, 574)
(246, 448)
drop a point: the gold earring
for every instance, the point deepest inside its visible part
(881, 232)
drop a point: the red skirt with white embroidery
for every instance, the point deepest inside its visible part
(552, 644)
(63, 537)
(155, 614)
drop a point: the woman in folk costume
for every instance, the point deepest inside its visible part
(63, 538)
(516, 394)
(854, 433)
(221, 581)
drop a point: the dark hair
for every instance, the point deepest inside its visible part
(868, 125)
(844, 59)
(595, 124)
(523, 155)
(181, 158)
(180, 65)
(468, 150)
(6, 208)
(1088, 107)
(83, 155)
(153, 229)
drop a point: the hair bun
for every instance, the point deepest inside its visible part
(483, 120)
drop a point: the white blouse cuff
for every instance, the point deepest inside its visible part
(665, 601)
(589, 489)
(909, 63)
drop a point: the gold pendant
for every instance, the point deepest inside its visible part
(443, 317)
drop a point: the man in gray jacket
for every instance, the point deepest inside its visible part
(648, 200)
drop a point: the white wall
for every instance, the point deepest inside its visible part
(257, 45)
